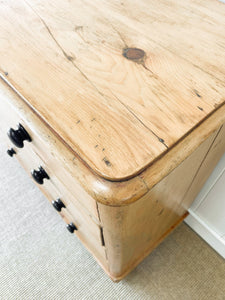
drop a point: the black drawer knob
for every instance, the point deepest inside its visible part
(11, 152)
(39, 175)
(58, 204)
(71, 227)
(17, 137)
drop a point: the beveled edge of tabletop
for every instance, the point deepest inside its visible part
(119, 193)
(114, 164)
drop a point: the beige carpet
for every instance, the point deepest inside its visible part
(40, 259)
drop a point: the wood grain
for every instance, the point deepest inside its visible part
(87, 186)
(131, 232)
(213, 157)
(118, 110)
(90, 123)
(89, 231)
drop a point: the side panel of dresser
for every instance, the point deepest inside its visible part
(208, 165)
(131, 232)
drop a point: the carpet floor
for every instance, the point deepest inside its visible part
(40, 259)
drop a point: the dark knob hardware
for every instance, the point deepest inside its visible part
(39, 175)
(71, 227)
(17, 137)
(58, 204)
(11, 152)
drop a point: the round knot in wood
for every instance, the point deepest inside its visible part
(134, 54)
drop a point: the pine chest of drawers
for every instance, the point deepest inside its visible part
(116, 111)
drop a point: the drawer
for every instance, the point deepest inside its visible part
(90, 236)
(43, 145)
(80, 207)
(87, 231)
(90, 241)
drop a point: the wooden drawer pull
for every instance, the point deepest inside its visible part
(17, 137)
(58, 204)
(39, 175)
(71, 227)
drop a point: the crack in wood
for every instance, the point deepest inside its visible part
(119, 34)
(138, 56)
(185, 59)
(68, 57)
(102, 237)
(97, 208)
(141, 62)
(203, 160)
(142, 179)
(197, 93)
(160, 139)
(173, 52)
(85, 76)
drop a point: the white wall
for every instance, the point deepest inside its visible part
(207, 213)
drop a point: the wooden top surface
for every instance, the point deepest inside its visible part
(120, 82)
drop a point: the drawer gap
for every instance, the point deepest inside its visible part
(102, 236)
